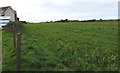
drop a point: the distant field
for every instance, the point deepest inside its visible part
(69, 46)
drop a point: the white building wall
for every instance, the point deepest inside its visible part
(10, 13)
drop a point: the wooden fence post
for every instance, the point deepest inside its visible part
(18, 52)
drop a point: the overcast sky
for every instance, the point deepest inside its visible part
(47, 10)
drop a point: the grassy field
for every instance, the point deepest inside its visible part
(69, 46)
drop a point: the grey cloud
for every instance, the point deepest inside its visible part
(73, 10)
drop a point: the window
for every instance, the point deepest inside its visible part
(4, 21)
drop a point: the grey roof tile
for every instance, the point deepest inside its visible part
(3, 9)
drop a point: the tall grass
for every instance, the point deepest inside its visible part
(70, 46)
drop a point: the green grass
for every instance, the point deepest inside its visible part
(70, 46)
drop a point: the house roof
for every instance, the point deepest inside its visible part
(3, 9)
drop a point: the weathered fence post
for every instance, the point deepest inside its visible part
(14, 40)
(18, 52)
